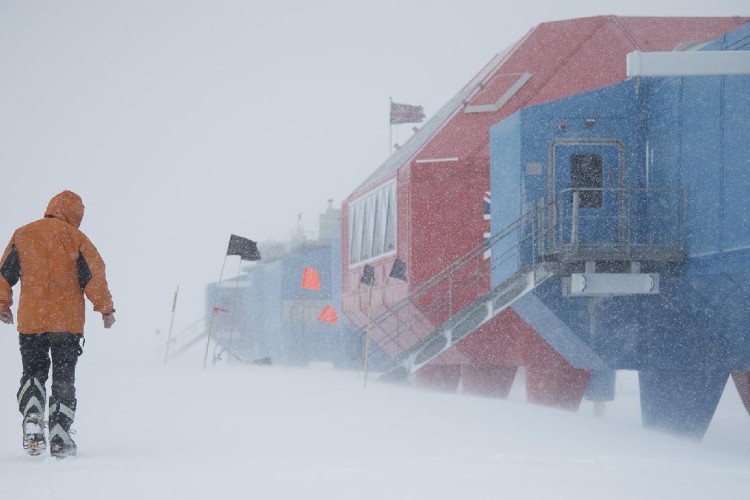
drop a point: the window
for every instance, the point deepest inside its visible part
(372, 224)
(586, 176)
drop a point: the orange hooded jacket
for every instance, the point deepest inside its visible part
(57, 264)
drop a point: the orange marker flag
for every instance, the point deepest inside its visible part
(328, 315)
(310, 279)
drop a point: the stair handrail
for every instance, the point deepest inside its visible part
(530, 215)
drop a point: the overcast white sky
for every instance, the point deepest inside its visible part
(182, 121)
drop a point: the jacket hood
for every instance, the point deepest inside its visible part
(66, 206)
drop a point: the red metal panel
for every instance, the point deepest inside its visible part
(494, 381)
(502, 341)
(742, 382)
(674, 33)
(442, 377)
(447, 203)
(554, 382)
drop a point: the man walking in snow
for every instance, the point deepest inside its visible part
(57, 265)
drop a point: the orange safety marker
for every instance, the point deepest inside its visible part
(310, 279)
(328, 315)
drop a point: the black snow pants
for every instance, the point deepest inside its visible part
(38, 351)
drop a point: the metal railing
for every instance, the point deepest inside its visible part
(458, 285)
(629, 224)
(617, 224)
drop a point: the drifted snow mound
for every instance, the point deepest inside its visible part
(270, 432)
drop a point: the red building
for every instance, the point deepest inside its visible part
(426, 204)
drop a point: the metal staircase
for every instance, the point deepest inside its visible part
(544, 242)
(455, 302)
(462, 324)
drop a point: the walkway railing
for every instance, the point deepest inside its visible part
(625, 224)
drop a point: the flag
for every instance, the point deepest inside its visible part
(398, 270)
(406, 113)
(368, 275)
(246, 249)
(328, 315)
(218, 310)
(310, 279)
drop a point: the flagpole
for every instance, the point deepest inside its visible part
(211, 319)
(234, 312)
(367, 330)
(390, 127)
(171, 324)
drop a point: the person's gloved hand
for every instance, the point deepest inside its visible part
(6, 317)
(109, 320)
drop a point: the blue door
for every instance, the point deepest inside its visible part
(586, 179)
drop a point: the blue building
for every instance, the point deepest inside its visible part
(265, 314)
(634, 202)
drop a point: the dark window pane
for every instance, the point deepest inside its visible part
(586, 175)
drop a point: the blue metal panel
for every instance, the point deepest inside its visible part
(269, 317)
(701, 163)
(505, 185)
(292, 268)
(680, 401)
(694, 322)
(601, 386)
(738, 39)
(308, 338)
(272, 341)
(567, 334)
(659, 133)
(736, 161)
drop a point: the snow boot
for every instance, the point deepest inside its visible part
(33, 434)
(61, 417)
(31, 402)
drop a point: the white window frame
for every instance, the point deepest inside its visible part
(372, 225)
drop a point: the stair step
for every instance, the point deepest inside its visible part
(464, 323)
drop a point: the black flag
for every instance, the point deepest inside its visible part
(246, 249)
(368, 275)
(398, 270)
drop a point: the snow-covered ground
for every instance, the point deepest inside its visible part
(146, 431)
